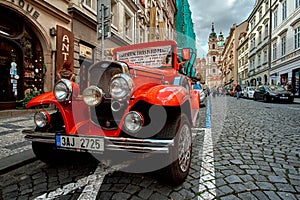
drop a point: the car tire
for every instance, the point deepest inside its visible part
(178, 127)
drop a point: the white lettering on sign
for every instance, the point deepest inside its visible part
(65, 48)
(152, 57)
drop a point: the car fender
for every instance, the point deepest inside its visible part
(65, 108)
(165, 95)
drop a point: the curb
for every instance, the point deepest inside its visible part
(17, 160)
(15, 113)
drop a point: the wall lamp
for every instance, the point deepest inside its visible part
(52, 32)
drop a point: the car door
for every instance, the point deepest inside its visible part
(262, 92)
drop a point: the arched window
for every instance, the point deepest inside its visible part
(213, 46)
(214, 58)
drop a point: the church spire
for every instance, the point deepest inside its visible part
(212, 34)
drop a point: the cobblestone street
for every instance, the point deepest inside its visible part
(250, 151)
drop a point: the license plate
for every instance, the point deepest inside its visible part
(283, 97)
(80, 142)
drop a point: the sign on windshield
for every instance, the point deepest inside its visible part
(152, 57)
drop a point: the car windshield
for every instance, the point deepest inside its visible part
(250, 89)
(153, 57)
(275, 88)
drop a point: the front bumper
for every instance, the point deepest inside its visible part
(112, 143)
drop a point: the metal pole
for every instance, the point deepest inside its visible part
(102, 31)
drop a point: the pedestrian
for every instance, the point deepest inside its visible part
(238, 90)
(66, 72)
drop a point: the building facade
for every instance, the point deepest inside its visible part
(243, 64)
(285, 44)
(259, 40)
(230, 55)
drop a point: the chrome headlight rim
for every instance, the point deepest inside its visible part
(92, 92)
(134, 118)
(125, 84)
(41, 118)
(63, 90)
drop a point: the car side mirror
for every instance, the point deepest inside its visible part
(186, 54)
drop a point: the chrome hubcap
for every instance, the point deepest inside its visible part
(184, 147)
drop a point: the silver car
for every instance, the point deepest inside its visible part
(202, 93)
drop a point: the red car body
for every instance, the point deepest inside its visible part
(163, 87)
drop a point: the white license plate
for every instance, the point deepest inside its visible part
(80, 143)
(283, 97)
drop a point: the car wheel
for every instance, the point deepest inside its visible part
(45, 152)
(181, 153)
(265, 98)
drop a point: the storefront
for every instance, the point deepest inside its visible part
(296, 82)
(21, 60)
(28, 49)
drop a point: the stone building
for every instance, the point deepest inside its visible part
(285, 44)
(37, 37)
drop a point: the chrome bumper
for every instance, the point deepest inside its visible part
(112, 143)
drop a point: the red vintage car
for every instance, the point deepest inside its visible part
(140, 105)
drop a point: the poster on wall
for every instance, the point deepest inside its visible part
(64, 48)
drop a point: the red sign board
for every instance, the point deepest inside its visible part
(64, 47)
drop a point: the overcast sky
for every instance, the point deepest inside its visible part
(224, 13)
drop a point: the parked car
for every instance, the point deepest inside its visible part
(272, 93)
(136, 106)
(203, 97)
(248, 92)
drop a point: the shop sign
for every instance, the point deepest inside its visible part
(26, 7)
(64, 47)
(85, 51)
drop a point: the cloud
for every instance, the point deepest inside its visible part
(224, 13)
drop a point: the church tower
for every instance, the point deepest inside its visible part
(215, 48)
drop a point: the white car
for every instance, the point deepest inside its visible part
(249, 92)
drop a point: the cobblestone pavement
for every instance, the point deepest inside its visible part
(11, 139)
(250, 151)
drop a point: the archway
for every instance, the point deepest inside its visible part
(21, 59)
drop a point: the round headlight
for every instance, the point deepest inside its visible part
(92, 95)
(41, 119)
(133, 121)
(63, 90)
(121, 86)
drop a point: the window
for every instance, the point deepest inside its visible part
(252, 43)
(283, 45)
(297, 3)
(274, 48)
(213, 46)
(214, 59)
(127, 25)
(265, 55)
(275, 16)
(283, 10)
(260, 14)
(259, 37)
(266, 31)
(297, 37)
(259, 58)
(114, 14)
(90, 3)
